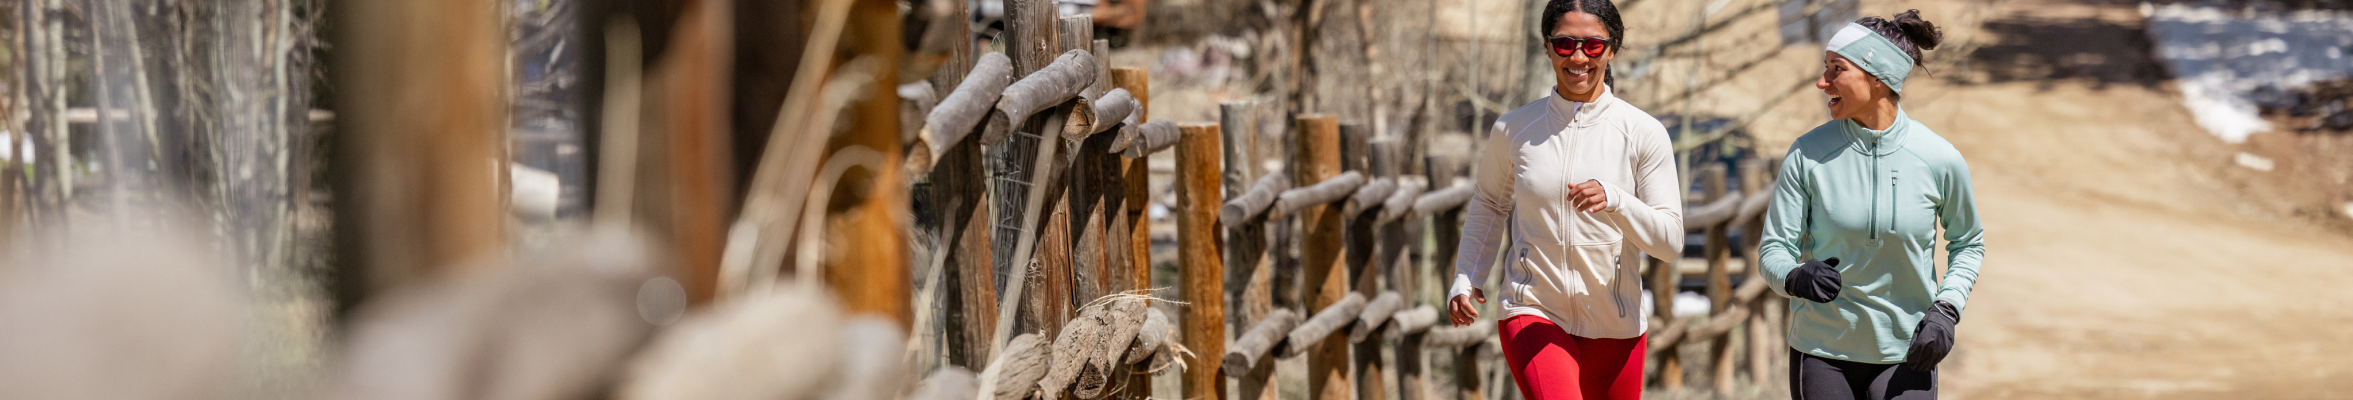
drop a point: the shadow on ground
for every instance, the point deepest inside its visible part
(2051, 50)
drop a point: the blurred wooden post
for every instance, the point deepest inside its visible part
(1245, 242)
(1719, 280)
(1325, 277)
(1469, 383)
(1764, 331)
(1251, 269)
(1662, 290)
(872, 275)
(1446, 229)
(1200, 270)
(423, 111)
(1136, 188)
(1364, 264)
(1396, 256)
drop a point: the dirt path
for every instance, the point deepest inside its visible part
(2124, 259)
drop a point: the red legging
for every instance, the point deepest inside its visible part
(1550, 364)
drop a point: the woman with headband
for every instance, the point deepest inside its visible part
(1860, 200)
(1582, 185)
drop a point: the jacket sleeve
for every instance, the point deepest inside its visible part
(1964, 237)
(1652, 218)
(1486, 221)
(1785, 223)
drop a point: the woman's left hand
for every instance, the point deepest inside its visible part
(1588, 196)
(1934, 339)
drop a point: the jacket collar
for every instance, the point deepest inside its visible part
(1580, 114)
(1880, 142)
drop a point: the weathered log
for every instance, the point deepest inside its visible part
(960, 112)
(957, 115)
(1092, 345)
(1368, 196)
(1254, 202)
(1126, 316)
(1330, 190)
(1714, 326)
(1712, 213)
(1153, 339)
(1447, 337)
(949, 383)
(1325, 322)
(1123, 316)
(1414, 321)
(1443, 199)
(1261, 338)
(1375, 314)
(1152, 137)
(1080, 340)
(916, 99)
(1402, 201)
(1053, 85)
(740, 333)
(1110, 109)
(869, 367)
(1753, 205)
(1015, 374)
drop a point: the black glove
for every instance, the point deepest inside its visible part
(1815, 281)
(1934, 339)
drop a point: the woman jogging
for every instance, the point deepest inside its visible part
(1860, 199)
(1581, 184)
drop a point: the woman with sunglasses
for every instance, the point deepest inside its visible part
(1582, 184)
(1871, 187)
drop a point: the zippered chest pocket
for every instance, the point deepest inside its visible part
(1913, 208)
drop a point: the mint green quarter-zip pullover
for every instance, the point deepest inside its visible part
(1875, 200)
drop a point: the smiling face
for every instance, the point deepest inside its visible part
(1575, 75)
(1852, 91)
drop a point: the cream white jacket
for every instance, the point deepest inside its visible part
(1577, 269)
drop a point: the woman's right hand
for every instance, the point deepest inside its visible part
(1461, 311)
(1816, 280)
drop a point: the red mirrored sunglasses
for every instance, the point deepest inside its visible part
(1565, 45)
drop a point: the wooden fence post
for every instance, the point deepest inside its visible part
(1200, 270)
(1031, 42)
(1446, 228)
(1718, 251)
(1765, 344)
(1093, 175)
(1136, 183)
(1469, 383)
(1662, 289)
(1359, 151)
(1249, 262)
(1246, 242)
(1398, 237)
(423, 117)
(1325, 279)
(960, 190)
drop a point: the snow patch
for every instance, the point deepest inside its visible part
(2222, 56)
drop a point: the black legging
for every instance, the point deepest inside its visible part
(1815, 378)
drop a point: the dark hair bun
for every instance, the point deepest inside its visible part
(1921, 32)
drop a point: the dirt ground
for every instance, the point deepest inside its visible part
(2129, 255)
